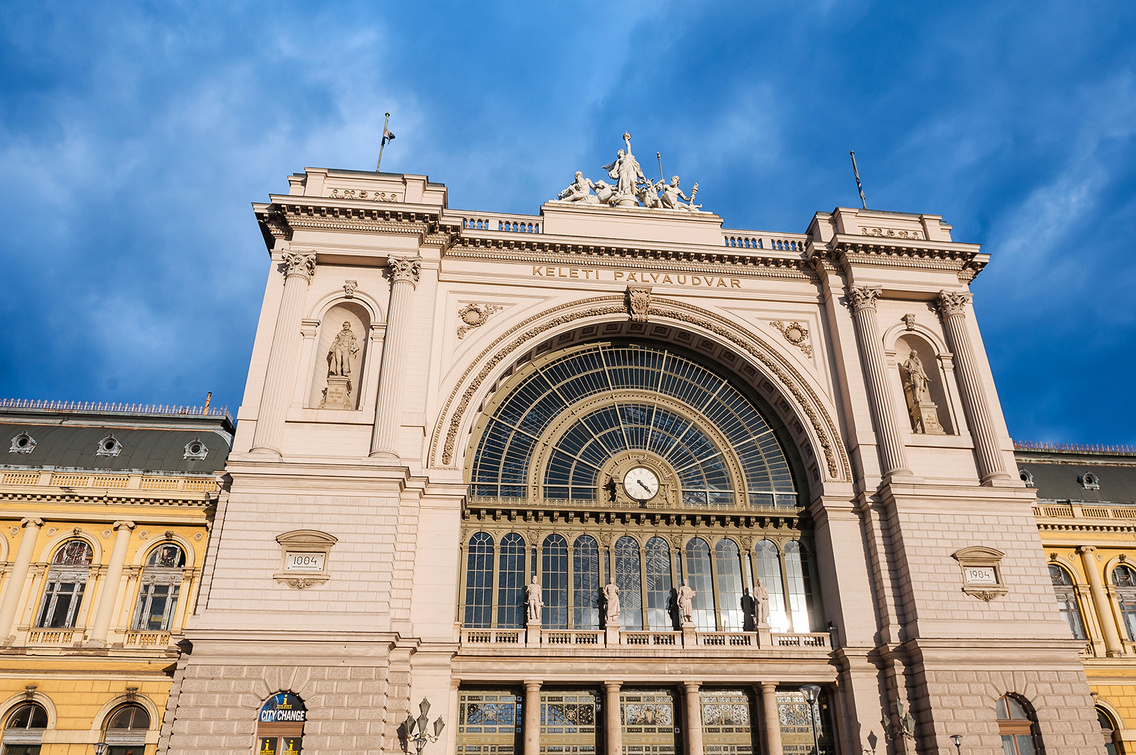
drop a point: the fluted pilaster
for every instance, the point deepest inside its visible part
(388, 409)
(893, 457)
(952, 310)
(274, 399)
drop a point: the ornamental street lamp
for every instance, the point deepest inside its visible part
(957, 739)
(812, 694)
(101, 748)
(416, 729)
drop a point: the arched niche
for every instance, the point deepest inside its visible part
(339, 357)
(922, 418)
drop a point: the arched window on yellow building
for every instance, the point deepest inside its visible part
(126, 730)
(158, 593)
(23, 731)
(66, 580)
(1067, 600)
(1109, 732)
(1124, 579)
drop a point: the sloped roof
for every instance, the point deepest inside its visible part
(1057, 474)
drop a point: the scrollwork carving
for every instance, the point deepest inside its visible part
(796, 334)
(405, 269)
(474, 316)
(638, 303)
(953, 302)
(302, 264)
(864, 297)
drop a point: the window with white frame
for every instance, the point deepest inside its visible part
(159, 587)
(66, 581)
(1124, 580)
(23, 731)
(1067, 600)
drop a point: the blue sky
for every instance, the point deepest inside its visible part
(133, 137)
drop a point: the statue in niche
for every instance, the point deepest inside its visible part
(611, 603)
(579, 191)
(686, 603)
(916, 387)
(533, 602)
(671, 194)
(627, 173)
(343, 350)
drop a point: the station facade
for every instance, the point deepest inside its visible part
(613, 478)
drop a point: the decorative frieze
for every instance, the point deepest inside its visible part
(373, 196)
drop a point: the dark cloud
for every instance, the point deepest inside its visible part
(134, 136)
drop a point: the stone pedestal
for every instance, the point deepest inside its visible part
(925, 418)
(611, 634)
(764, 636)
(689, 634)
(532, 632)
(337, 395)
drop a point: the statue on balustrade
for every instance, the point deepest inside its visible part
(611, 603)
(533, 601)
(761, 604)
(686, 603)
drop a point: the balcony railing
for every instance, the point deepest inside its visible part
(143, 639)
(1054, 510)
(646, 639)
(57, 637)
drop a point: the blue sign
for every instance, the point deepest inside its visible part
(283, 707)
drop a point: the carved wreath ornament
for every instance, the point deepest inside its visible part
(796, 334)
(474, 316)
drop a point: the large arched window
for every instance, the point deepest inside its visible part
(160, 583)
(629, 582)
(126, 729)
(699, 578)
(1108, 726)
(1124, 578)
(511, 582)
(1067, 600)
(479, 581)
(585, 583)
(1017, 727)
(66, 580)
(659, 585)
(768, 561)
(554, 582)
(728, 560)
(23, 731)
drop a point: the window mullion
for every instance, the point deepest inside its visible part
(786, 592)
(494, 585)
(643, 584)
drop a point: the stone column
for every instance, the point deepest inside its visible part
(275, 398)
(952, 310)
(532, 718)
(18, 576)
(770, 717)
(1101, 603)
(388, 410)
(892, 453)
(693, 718)
(613, 720)
(111, 582)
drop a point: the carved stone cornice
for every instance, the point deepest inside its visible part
(405, 269)
(863, 297)
(965, 260)
(543, 517)
(953, 302)
(285, 215)
(299, 264)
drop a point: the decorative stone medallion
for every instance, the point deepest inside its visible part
(474, 316)
(796, 334)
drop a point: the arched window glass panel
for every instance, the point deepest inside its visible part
(1016, 727)
(66, 581)
(729, 585)
(129, 717)
(166, 556)
(769, 572)
(511, 582)
(585, 583)
(796, 578)
(23, 731)
(699, 579)
(479, 581)
(1125, 580)
(1067, 600)
(660, 615)
(1108, 732)
(73, 553)
(159, 588)
(554, 582)
(126, 730)
(628, 580)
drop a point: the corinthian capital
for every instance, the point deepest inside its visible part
(864, 297)
(953, 302)
(405, 269)
(300, 263)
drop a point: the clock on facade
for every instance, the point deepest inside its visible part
(641, 484)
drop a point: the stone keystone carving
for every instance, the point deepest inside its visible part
(299, 263)
(953, 302)
(405, 269)
(632, 187)
(638, 303)
(864, 297)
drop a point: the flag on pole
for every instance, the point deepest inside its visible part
(388, 136)
(859, 186)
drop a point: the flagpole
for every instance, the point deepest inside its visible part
(383, 142)
(859, 186)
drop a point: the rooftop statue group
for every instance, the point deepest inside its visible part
(631, 188)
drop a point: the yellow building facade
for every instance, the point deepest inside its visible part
(104, 523)
(1086, 515)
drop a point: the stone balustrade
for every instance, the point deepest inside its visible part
(819, 641)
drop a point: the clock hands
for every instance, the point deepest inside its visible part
(643, 485)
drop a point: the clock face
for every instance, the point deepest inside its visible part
(641, 484)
